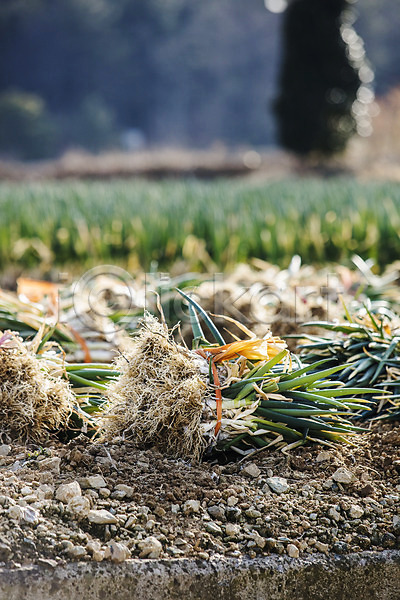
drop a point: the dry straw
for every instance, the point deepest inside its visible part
(159, 398)
(33, 402)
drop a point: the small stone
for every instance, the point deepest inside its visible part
(66, 491)
(76, 552)
(279, 485)
(253, 513)
(334, 514)
(30, 499)
(343, 475)
(94, 482)
(117, 552)
(340, 548)
(251, 470)
(232, 501)
(160, 511)
(67, 545)
(104, 493)
(127, 490)
(5, 552)
(101, 517)
(151, 547)
(191, 506)
(217, 512)
(292, 551)
(367, 490)
(213, 528)
(259, 540)
(5, 450)
(15, 513)
(45, 491)
(30, 515)
(130, 522)
(323, 456)
(50, 464)
(79, 506)
(328, 484)
(396, 523)
(232, 530)
(150, 525)
(321, 547)
(356, 512)
(47, 563)
(94, 548)
(175, 508)
(26, 490)
(233, 513)
(180, 542)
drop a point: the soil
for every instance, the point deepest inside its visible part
(125, 502)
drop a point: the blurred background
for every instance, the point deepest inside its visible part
(133, 75)
(261, 100)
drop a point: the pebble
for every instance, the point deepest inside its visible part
(279, 485)
(334, 514)
(212, 527)
(232, 530)
(66, 491)
(151, 547)
(5, 552)
(79, 506)
(217, 512)
(50, 464)
(30, 515)
(292, 551)
(48, 563)
(117, 552)
(101, 517)
(94, 482)
(192, 506)
(126, 490)
(252, 513)
(251, 470)
(356, 512)
(76, 552)
(396, 523)
(5, 450)
(343, 475)
(15, 513)
(45, 491)
(321, 547)
(233, 513)
(323, 456)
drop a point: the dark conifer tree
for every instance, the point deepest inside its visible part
(320, 78)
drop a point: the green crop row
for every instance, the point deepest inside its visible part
(142, 223)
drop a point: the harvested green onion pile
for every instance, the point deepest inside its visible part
(278, 401)
(368, 347)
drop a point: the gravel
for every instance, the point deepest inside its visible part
(96, 502)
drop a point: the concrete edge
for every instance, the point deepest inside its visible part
(372, 575)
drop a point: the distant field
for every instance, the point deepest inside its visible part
(140, 223)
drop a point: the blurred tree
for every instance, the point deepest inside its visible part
(321, 95)
(179, 71)
(26, 129)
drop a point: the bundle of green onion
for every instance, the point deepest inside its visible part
(368, 346)
(265, 396)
